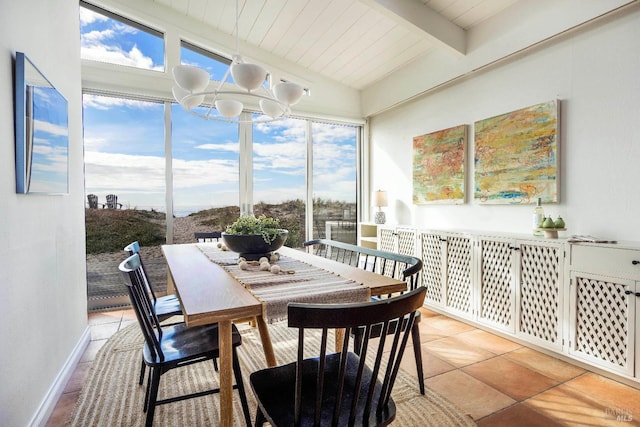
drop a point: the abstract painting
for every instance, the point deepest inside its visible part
(516, 156)
(438, 166)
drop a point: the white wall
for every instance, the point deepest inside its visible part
(594, 72)
(43, 307)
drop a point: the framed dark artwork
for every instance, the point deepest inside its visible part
(42, 132)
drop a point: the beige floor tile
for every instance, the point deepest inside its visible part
(92, 350)
(63, 409)
(104, 330)
(78, 377)
(101, 317)
(510, 378)
(448, 325)
(487, 341)
(457, 352)
(470, 395)
(519, 415)
(614, 395)
(573, 407)
(546, 365)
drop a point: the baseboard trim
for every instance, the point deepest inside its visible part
(48, 404)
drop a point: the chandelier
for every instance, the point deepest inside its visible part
(229, 98)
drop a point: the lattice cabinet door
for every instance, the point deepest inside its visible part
(539, 298)
(386, 238)
(407, 241)
(400, 240)
(459, 275)
(497, 283)
(433, 275)
(603, 320)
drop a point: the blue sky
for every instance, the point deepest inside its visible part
(124, 140)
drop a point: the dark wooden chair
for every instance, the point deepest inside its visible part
(173, 346)
(207, 236)
(112, 202)
(390, 264)
(338, 389)
(164, 307)
(93, 201)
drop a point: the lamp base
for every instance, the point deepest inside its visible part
(380, 218)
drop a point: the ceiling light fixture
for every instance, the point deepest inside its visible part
(191, 90)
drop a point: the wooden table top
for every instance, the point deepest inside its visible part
(208, 293)
(378, 284)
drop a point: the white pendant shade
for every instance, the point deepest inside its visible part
(190, 78)
(248, 76)
(229, 108)
(287, 92)
(187, 103)
(270, 108)
(229, 100)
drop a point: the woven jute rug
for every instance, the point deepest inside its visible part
(111, 395)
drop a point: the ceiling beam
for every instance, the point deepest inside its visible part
(421, 18)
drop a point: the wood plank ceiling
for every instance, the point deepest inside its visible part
(354, 42)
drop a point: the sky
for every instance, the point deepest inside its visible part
(125, 150)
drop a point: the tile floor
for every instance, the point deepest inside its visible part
(497, 382)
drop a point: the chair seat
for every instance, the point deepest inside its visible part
(276, 388)
(167, 306)
(180, 342)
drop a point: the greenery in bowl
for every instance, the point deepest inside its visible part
(268, 228)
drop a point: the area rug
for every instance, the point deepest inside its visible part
(111, 395)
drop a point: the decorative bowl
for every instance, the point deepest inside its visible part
(252, 246)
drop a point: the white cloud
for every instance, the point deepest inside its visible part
(88, 16)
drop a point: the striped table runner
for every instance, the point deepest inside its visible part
(307, 283)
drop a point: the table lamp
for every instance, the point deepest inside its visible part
(380, 201)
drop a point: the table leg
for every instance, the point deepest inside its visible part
(339, 339)
(171, 287)
(226, 373)
(267, 347)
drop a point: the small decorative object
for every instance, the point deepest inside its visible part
(538, 217)
(255, 237)
(551, 227)
(380, 201)
(548, 223)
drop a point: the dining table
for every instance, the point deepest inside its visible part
(210, 292)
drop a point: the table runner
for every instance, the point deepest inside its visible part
(308, 284)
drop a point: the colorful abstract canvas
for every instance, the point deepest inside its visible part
(438, 166)
(516, 156)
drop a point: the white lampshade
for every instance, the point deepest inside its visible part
(179, 94)
(248, 76)
(271, 108)
(190, 78)
(380, 199)
(287, 92)
(229, 108)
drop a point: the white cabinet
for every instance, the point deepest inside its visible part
(447, 270)
(496, 283)
(401, 240)
(605, 295)
(578, 300)
(540, 292)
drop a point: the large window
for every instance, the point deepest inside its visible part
(334, 181)
(125, 183)
(107, 37)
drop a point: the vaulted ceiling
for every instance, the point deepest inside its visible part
(354, 42)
